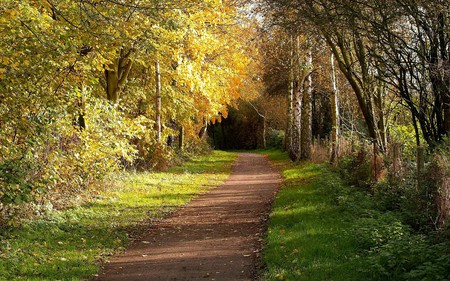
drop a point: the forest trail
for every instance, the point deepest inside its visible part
(217, 236)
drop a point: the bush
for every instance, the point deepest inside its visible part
(355, 169)
(422, 200)
(275, 139)
(395, 220)
(412, 257)
(53, 163)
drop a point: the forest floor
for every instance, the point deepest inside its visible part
(217, 236)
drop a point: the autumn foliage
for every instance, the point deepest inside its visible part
(77, 91)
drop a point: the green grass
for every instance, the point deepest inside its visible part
(323, 229)
(69, 244)
(308, 234)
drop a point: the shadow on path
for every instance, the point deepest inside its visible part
(217, 236)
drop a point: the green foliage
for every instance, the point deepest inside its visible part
(306, 238)
(417, 198)
(406, 136)
(378, 229)
(275, 139)
(56, 162)
(408, 257)
(68, 244)
(355, 169)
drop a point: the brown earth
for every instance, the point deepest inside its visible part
(217, 236)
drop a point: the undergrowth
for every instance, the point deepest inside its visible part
(322, 229)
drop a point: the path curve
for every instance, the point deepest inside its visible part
(217, 236)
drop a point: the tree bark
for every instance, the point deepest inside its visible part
(306, 128)
(299, 77)
(203, 131)
(381, 126)
(158, 125)
(334, 101)
(264, 129)
(181, 138)
(116, 75)
(290, 120)
(346, 65)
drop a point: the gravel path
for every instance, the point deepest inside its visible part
(217, 236)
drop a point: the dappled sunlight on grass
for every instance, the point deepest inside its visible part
(305, 238)
(302, 172)
(67, 245)
(323, 229)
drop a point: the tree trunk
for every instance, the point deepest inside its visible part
(396, 161)
(203, 131)
(299, 77)
(264, 132)
(181, 138)
(344, 57)
(420, 161)
(334, 101)
(306, 128)
(381, 126)
(116, 75)
(261, 143)
(295, 148)
(158, 125)
(80, 122)
(290, 114)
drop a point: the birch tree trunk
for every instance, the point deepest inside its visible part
(289, 122)
(297, 101)
(204, 130)
(334, 101)
(306, 128)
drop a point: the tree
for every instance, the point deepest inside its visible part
(334, 101)
(338, 28)
(411, 42)
(77, 86)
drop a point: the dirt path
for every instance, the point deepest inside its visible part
(217, 236)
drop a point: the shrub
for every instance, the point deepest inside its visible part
(53, 163)
(412, 257)
(355, 168)
(275, 138)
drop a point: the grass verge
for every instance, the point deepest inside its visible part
(69, 244)
(321, 229)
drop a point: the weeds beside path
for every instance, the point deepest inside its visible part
(67, 245)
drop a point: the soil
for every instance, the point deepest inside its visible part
(217, 236)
